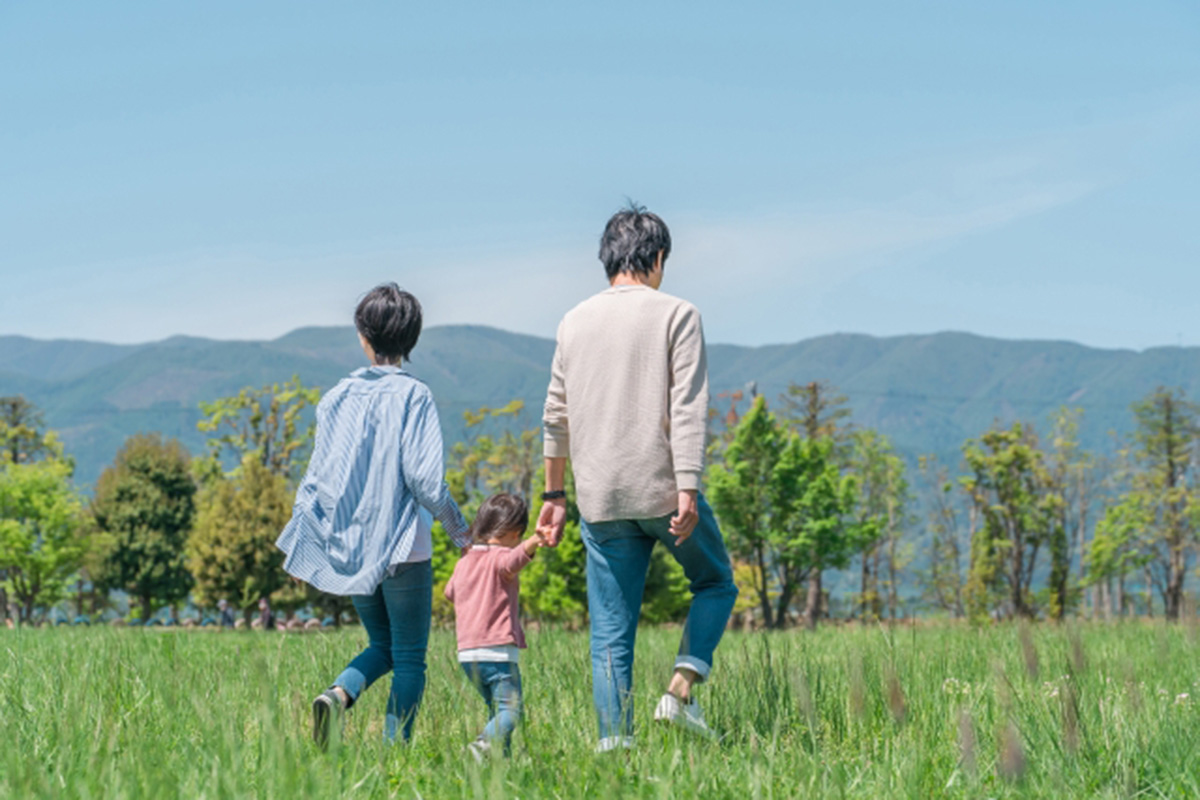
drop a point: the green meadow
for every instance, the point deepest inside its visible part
(925, 711)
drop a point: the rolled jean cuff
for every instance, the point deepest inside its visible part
(352, 682)
(695, 665)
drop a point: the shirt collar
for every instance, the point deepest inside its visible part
(377, 371)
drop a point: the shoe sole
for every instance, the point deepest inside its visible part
(322, 717)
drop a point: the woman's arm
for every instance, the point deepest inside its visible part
(424, 468)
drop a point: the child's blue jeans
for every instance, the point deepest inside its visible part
(396, 617)
(499, 682)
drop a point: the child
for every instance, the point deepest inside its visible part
(361, 522)
(484, 589)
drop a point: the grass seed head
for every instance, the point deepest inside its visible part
(1070, 719)
(966, 742)
(1011, 765)
(896, 701)
(858, 688)
(1028, 651)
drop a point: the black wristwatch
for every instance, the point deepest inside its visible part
(557, 494)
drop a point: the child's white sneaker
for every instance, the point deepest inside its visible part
(480, 749)
(688, 716)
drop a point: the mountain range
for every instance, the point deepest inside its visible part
(928, 393)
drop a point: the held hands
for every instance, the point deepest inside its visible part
(550, 522)
(684, 521)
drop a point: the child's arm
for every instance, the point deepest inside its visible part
(519, 557)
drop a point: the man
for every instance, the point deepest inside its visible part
(628, 404)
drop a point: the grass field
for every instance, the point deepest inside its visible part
(870, 712)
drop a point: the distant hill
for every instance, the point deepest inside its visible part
(928, 393)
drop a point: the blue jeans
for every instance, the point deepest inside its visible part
(396, 617)
(618, 555)
(500, 685)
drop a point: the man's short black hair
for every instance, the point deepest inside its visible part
(631, 241)
(498, 515)
(389, 318)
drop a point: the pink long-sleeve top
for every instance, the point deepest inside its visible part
(484, 589)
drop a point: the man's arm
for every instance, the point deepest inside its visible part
(689, 416)
(553, 515)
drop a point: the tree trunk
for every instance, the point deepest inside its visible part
(1174, 595)
(146, 610)
(3, 604)
(893, 593)
(812, 608)
(764, 597)
(866, 574)
(1120, 596)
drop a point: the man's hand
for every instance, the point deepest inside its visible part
(684, 522)
(551, 520)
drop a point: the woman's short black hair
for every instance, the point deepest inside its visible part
(631, 241)
(498, 515)
(389, 318)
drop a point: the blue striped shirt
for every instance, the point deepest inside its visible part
(375, 478)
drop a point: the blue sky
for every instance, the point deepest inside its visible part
(237, 170)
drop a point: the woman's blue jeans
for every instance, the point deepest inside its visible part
(396, 616)
(499, 683)
(618, 555)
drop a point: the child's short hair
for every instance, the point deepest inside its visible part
(498, 515)
(389, 318)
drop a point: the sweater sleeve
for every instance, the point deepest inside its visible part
(554, 417)
(512, 562)
(424, 469)
(689, 397)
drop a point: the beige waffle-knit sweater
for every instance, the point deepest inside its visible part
(628, 402)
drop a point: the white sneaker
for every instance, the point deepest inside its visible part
(480, 749)
(688, 715)
(610, 743)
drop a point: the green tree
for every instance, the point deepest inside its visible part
(1118, 548)
(22, 435)
(268, 421)
(816, 504)
(22, 440)
(742, 496)
(1012, 492)
(883, 496)
(816, 411)
(1163, 455)
(787, 510)
(40, 522)
(941, 580)
(144, 506)
(231, 552)
(236, 558)
(1074, 474)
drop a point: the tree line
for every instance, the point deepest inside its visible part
(1026, 526)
